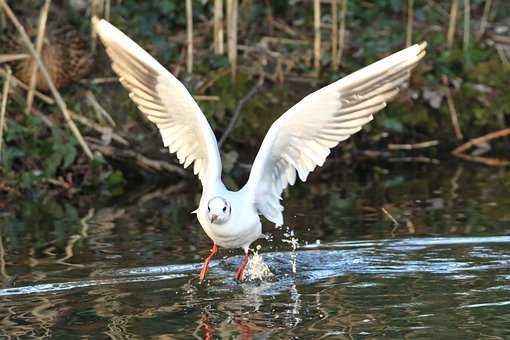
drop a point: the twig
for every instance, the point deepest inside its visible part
(207, 98)
(218, 27)
(189, 36)
(317, 30)
(6, 58)
(100, 111)
(454, 9)
(284, 41)
(16, 82)
(101, 129)
(467, 23)
(334, 35)
(392, 219)
(421, 145)
(141, 160)
(58, 98)
(41, 28)
(95, 81)
(485, 18)
(410, 20)
(484, 160)
(451, 108)
(502, 55)
(5, 95)
(232, 35)
(237, 112)
(341, 35)
(419, 159)
(483, 139)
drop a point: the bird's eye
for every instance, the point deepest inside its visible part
(224, 209)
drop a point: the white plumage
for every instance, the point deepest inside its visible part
(297, 142)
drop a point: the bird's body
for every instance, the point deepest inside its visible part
(297, 142)
(244, 225)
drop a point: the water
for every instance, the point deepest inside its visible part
(128, 267)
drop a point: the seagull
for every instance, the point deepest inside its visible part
(296, 143)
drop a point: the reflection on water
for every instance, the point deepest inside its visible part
(129, 268)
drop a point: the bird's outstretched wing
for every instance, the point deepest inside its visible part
(302, 137)
(165, 101)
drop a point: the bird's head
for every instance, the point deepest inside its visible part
(218, 210)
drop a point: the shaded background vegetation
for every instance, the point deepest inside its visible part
(275, 43)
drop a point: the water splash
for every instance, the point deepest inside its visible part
(257, 269)
(294, 242)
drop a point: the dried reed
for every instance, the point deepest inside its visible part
(410, 21)
(189, 36)
(96, 10)
(454, 10)
(38, 47)
(334, 35)
(467, 24)
(218, 27)
(107, 9)
(341, 34)
(6, 58)
(232, 35)
(5, 95)
(485, 18)
(58, 98)
(16, 82)
(317, 30)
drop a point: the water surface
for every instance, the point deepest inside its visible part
(128, 266)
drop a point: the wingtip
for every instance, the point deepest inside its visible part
(422, 45)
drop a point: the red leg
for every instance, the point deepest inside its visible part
(205, 266)
(239, 273)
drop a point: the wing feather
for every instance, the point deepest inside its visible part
(301, 139)
(165, 101)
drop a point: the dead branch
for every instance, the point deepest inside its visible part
(484, 160)
(140, 160)
(100, 111)
(6, 58)
(421, 145)
(483, 139)
(58, 98)
(451, 108)
(101, 129)
(237, 112)
(18, 83)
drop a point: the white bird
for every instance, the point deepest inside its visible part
(297, 142)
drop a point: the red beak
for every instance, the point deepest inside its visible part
(214, 217)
